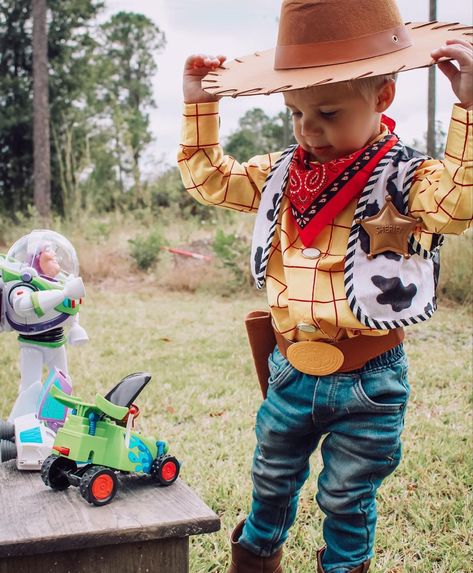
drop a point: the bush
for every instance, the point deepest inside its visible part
(146, 249)
(456, 269)
(168, 192)
(233, 253)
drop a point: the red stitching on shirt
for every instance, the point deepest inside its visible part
(459, 159)
(316, 300)
(199, 114)
(467, 123)
(197, 126)
(465, 143)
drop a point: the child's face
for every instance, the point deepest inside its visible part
(335, 120)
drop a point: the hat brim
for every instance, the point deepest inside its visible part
(255, 75)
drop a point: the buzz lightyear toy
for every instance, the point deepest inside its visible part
(40, 295)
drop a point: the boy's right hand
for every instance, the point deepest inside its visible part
(196, 67)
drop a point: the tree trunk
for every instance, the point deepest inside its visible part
(431, 124)
(42, 159)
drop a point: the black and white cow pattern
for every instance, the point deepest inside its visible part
(267, 215)
(388, 280)
(271, 213)
(406, 154)
(387, 290)
(394, 292)
(257, 259)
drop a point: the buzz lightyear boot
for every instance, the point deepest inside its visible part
(243, 561)
(363, 568)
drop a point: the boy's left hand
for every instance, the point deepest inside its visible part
(460, 77)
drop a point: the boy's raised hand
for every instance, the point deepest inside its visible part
(460, 77)
(195, 68)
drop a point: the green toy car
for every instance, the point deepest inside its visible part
(97, 441)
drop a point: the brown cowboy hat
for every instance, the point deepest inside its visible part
(327, 41)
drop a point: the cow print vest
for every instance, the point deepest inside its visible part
(387, 291)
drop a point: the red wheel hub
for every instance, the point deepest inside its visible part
(169, 471)
(102, 487)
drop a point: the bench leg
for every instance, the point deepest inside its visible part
(156, 556)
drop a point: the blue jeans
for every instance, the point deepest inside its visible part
(360, 416)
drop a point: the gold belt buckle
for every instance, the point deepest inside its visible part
(315, 358)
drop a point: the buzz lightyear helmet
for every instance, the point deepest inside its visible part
(27, 251)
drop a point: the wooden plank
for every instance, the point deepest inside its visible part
(159, 556)
(35, 519)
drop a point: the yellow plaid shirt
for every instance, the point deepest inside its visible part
(307, 296)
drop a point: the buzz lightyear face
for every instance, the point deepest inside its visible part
(50, 254)
(48, 262)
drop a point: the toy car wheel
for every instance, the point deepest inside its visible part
(165, 470)
(98, 485)
(54, 471)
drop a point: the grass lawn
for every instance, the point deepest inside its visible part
(204, 396)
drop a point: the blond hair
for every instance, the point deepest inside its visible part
(366, 86)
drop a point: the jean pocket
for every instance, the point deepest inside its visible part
(384, 390)
(280, 370)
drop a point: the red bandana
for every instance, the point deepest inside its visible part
(319, 191)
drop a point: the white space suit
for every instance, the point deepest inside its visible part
(41, 295)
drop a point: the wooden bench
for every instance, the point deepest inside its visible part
(145, 529)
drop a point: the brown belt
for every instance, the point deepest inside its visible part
(323, 358)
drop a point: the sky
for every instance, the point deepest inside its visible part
(236, 28)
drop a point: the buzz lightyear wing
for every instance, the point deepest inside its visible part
(52, 412)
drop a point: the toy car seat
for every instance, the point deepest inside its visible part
(125, 392)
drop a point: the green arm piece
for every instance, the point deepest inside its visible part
(112, 410)
(101, 404)
(63, 398)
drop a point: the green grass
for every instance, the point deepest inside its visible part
(204, 396)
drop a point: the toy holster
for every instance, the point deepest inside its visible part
(262, 342)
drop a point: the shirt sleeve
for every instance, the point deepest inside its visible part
(209, 175)
(442, 191)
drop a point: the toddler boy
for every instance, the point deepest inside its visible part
(348, 227)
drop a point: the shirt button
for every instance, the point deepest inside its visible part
(304, 327)
(311, 253)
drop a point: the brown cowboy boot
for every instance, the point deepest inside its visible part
(243, 561)
(363, 568)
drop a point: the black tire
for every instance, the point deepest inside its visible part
(7, 430)
(54, 471)
(165, 470)
(98, 485)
